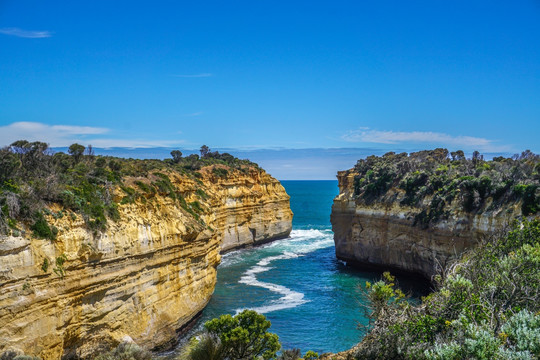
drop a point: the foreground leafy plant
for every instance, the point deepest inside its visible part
(240, 337)
(125, 351)
(486, 307)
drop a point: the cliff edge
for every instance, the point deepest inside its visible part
(69, 287)
(415, 212)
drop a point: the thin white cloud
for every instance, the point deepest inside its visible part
(203, 75)
(441, 139)
(56, 135)
(65, 135)
(29, 34)
(133, 143)
(78, 130)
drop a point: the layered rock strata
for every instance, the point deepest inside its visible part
(145, 277)
(384, 234)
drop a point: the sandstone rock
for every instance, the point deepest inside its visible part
(144, 278)
(383, 235)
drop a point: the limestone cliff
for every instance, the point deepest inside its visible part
(144, 277)
(414, 213)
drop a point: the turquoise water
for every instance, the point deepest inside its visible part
(311, 298)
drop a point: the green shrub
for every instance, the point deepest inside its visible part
(531, 202)
(311, 355)
(519, 339)
(164, 186)
(131, 195)
(12, 355)
(487, 306)
(41, 228)
(100, 162)
(196, 206)
(125, 351)
(522, 332)
(411, 178)
(243, 336)
(208, 348)
(45, 265)
(31, 179)
(220, 172)
(293, 354)
(59, 269)
(202, 194)
(145, 187)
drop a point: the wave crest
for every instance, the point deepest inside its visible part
(299, 243)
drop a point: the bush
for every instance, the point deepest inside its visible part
(412, 179)
(59, 269)
(522, 332)
(12, 355)
(486, 306)
(293, 354)
(41, 228)
(31, 179)
(220, 172)
(45, 265)
(196, 206)
(125, 351)
(530, 202)
(240, 337)
(208, 348)
(201, 193)
(311, 355)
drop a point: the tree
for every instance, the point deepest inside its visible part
(100, 162)
(90, 151)
(440, 154)
(527, 154)
(8, 164)
(176, 155)
(32, 156)
(204, 150)
(76, 150)
(244, 336)
(458, 155)
(20, 146)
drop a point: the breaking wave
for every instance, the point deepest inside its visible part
(299, 243)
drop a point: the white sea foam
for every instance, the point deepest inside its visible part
(230, 258)
(299, 243)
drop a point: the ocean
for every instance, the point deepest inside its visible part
(313, 300)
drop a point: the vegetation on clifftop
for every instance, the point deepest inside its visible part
(486, 306)
(432, 180)
(32, 177)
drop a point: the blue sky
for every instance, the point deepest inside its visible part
(251, 75)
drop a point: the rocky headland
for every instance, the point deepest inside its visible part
(417, 212)
(73, 281)
(469, 226)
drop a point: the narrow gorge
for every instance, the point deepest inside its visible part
(143, 277)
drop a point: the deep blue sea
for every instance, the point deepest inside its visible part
(312, 299)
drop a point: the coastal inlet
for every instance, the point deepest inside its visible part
(312, 299)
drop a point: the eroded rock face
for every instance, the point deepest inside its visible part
(384, 234)
(144, 278)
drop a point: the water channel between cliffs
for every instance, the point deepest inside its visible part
(312, 299)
